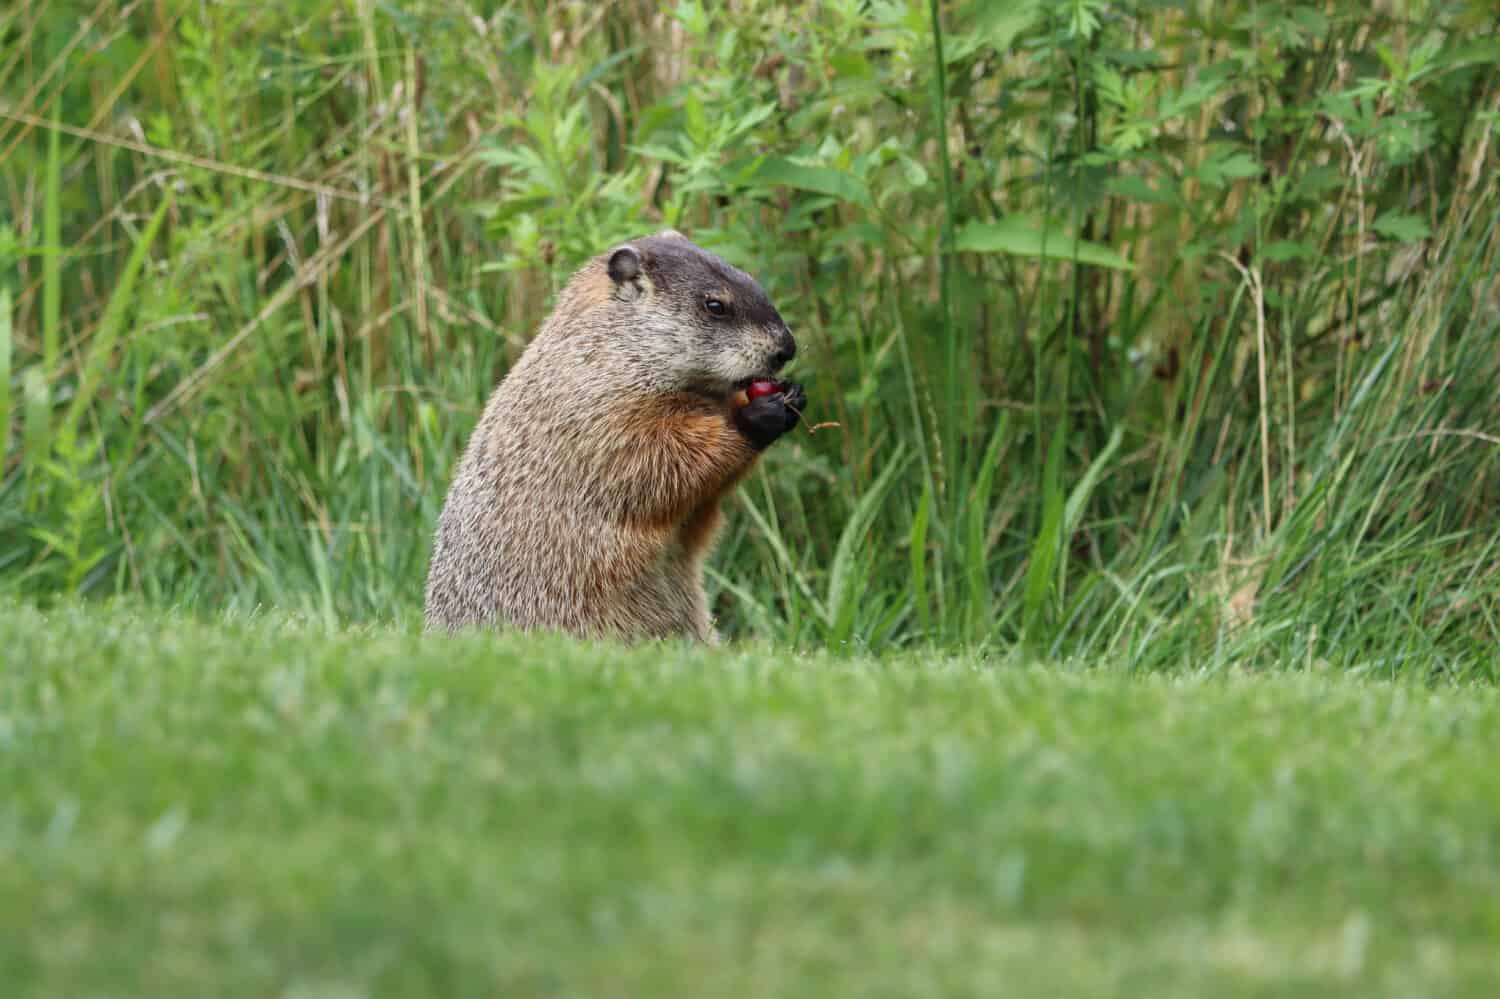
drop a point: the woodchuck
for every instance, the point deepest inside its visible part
(588, 495)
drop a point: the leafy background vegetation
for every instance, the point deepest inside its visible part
(1162, 332)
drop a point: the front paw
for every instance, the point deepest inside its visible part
(764, 419)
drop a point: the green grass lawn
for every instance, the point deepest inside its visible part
(258, 809)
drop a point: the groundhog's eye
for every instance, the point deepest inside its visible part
(716, 307)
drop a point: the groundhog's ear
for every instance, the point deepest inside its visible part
(624, 265)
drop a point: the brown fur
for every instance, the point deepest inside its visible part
(588, 496)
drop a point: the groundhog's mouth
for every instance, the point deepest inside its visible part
(749, 389)
(733, 391)
(738, 393)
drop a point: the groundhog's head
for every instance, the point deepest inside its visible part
(708, 326)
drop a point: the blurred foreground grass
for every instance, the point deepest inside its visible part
(259, 808)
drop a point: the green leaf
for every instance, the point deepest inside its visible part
(1223, 165)
(1189, 98)
(916, 173)
(696, 118)
(1479, 50)
(1025, 237)
(754, 117)
(1317, 181)
(1310, 20)
(1388, 58)
(1402, 228)
(1135, 188)
(820, 180)
(1003, 21)
(1240, 166)
(851, 65)
(692, 17)
(1111, 85)
(1283, 250)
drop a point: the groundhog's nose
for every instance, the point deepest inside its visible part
(786, 349)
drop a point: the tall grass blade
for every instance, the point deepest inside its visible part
(52, 256)
(1079, 496)
(789, 568)
(917, 545)
(37, 400)
(103, 345)
(976, 546)
(847, 572)
(318, 555)
(1044, 549)
(1078, 499)
(5, 353)
(955, 385)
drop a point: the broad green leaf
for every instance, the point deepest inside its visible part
(1003, 21)
(1480, 50)
(851, 65)
(1025, 237)
(1318, 180)
(1135, 188)
(820, 180)
(1283, 250)
(1402, 228)
(1222, 166)
(1189, 98)
(1310, 20)
(1240, 166)
(692, 17)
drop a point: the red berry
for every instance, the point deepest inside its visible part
(762, 386)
